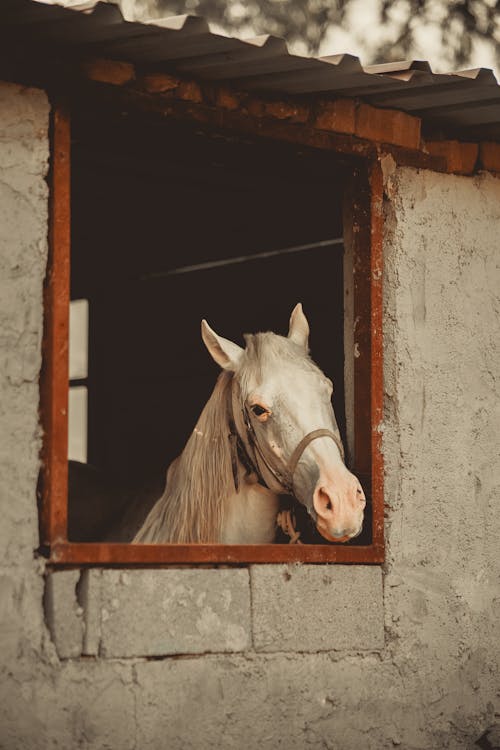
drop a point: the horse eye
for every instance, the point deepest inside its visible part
(258, 410)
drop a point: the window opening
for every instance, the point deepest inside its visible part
(186, 225)
(189, 224)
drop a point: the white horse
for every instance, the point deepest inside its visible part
(268, 429)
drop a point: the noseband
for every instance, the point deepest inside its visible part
(240, 449)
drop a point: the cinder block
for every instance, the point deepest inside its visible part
(269, 702)
(161, 612)
(317, 608)
(88, 703)
(89, 597)
(63, 614)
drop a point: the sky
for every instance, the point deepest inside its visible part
(363, 33)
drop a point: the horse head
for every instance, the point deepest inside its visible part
(280, 404)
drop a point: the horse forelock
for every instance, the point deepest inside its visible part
(192, 507)
(267, 351)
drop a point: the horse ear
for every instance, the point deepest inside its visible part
(224, 352)
(299, 327)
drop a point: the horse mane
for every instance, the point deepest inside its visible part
(191, 508)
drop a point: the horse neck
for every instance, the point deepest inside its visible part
(199, 481)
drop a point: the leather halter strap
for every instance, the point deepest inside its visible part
(299, 450)
(284, 476)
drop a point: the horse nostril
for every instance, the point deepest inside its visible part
(322, 501)
(326, 499)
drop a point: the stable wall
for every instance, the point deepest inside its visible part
(269, 656)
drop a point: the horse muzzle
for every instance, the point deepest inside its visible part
(338, 535)
(339, 512)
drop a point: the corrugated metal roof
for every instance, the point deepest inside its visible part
(465, 103)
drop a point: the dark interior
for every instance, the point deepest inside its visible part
(150, 200)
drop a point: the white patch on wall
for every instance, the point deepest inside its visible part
(77, 424)
(78, 371)
(78, 339)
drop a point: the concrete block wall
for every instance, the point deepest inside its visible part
(275, 656)
(441, 415)
(274, 608)
(24, 156)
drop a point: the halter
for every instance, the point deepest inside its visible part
(240, 449)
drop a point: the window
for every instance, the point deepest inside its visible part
(164, 212)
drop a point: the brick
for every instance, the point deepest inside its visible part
(227, 99)
(172, 611)
(63, 613)
(109, 71)
(255, 107)
(388, 126)
(489, 156)
(190, 91)
(317, 608)
(158, 83)
(284, 111)
(339, 116)
(461, 158)
(278, 109)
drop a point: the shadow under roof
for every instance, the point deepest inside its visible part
(464, 104)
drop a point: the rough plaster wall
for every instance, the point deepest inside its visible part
(23, 253)
(442, 380)
(433, 684)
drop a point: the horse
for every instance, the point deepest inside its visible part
(268, 429)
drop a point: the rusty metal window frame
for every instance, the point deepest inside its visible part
(365, 210)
